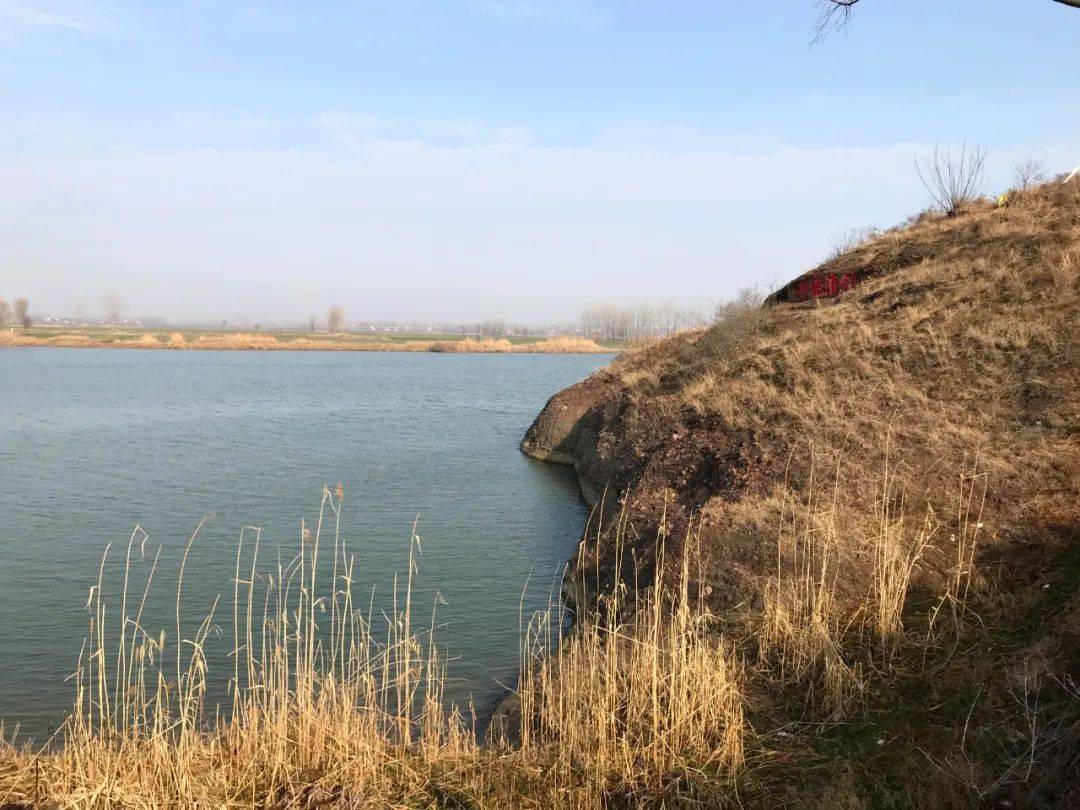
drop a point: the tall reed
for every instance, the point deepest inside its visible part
(641, 692)
(818, 629)
(327, 703)
(317, 701)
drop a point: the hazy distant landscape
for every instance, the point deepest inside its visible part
(601, 329)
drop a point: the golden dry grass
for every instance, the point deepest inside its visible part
(328, 708)
(643, 693)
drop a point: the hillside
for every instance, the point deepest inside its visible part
(893, 438)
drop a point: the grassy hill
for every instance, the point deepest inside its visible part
(879, 491)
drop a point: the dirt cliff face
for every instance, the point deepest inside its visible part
(567, 431)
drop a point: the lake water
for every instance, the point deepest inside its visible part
(93, 442)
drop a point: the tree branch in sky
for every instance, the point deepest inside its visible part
(836, 14)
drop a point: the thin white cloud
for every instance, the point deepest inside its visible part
(23, 15)
(353, 130)
(575, 12)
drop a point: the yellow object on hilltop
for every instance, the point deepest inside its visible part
(1003, 200)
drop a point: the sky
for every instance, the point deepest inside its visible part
(457, 160)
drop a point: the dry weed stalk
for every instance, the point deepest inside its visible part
(815, 630)
(322, 708)
(318, 703)
(639, 691)
(803, 625)
(961, 577)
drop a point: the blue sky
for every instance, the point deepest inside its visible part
(487, 158)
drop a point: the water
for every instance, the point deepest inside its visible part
(93, 442)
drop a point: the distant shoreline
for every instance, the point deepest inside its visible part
(263, 341)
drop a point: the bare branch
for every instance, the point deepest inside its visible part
(1028, 174)
(836, 14)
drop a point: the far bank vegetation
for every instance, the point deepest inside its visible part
(262, 341)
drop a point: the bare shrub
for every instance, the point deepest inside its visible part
(845, 241)
(953, 180)
(747, 300)
(1028, 173)
(737, 322)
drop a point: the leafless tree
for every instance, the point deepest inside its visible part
(1028, 173)
(608, 322)
(493, 329)
(747, 299)
(5, 313)
(737, 322)
(335, 320)
(836, 14)
(953, 181)
(22, 314)
(112, 308)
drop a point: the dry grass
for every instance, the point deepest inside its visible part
(555, 345)
(321, 704)
(819, 630)
(643, 694)
(969, 348)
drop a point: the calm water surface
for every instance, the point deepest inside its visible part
(93, 442)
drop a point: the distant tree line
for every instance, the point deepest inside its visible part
(15, 314)
(492, 328)
(610, 322)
